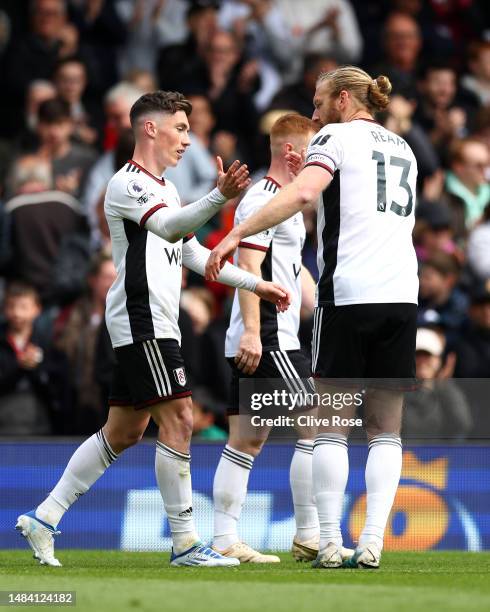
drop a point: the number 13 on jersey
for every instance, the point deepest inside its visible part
(398, 162)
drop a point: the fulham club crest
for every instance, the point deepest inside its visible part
(180, 377)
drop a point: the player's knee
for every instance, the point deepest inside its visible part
(176, 419)
(121, 438)
(251, 446)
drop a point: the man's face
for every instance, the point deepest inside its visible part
(433, 284)
(440, 87)
(70, 81)
(402, 40)
(54, 135)
(223, 52)
(172, 137)
(473, 164)
(117, 114)
(48, 17)
(327, 108)
(21, 311)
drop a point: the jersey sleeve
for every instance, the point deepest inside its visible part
(248, 206)
(132, 199)
(325, 151)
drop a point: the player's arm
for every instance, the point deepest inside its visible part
(308, 289)
(173, 224)
(305, 189)
(195, 256)
(250, 347)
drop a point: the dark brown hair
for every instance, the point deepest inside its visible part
(160, 102)
(21, 289)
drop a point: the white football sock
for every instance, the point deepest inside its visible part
(173, 472)
(86, 465)
(383, 470)
(330, 473)
(229, 492)
(300, 479)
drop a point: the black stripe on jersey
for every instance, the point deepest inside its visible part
(136, 283)
(330, 239)
(270, 186)
(268, 310)
(132, 168)
(160, 181)
(188, 237)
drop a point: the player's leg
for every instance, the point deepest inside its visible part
(230, 489)
(172, 412)
(383, 470)
(337, 358)
(124, 427)
(392, 364)
(307, 536)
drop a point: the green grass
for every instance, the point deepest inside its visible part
(113, 581)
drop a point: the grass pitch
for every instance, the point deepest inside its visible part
(114, 581)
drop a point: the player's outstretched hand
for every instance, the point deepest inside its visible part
(234, 181)
(221, 252)
(272, 292)
(249, 352)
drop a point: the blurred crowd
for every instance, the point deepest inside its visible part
(71, 70)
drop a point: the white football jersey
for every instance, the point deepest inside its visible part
(366, 216)
(282, 264)
(143, 302)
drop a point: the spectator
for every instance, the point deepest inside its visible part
(438, 408)
(70, 79)
(27, 372)
(102, 34)
(439, 276)
(473, 350)
(298, 97)
(40, 220)
(70, 162)
(142, 19)
(399, 119)
(177, 64)
(262, 31)
(443, 111)
(323, 26)
(39, 91)
(34, 55)
(402, 45)
(478, 251)
(117, 104)
(144, 80)
(228, 88)
(432, 232)
(78, 330)
(204, 412)
(468, 192)
(478, 81)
